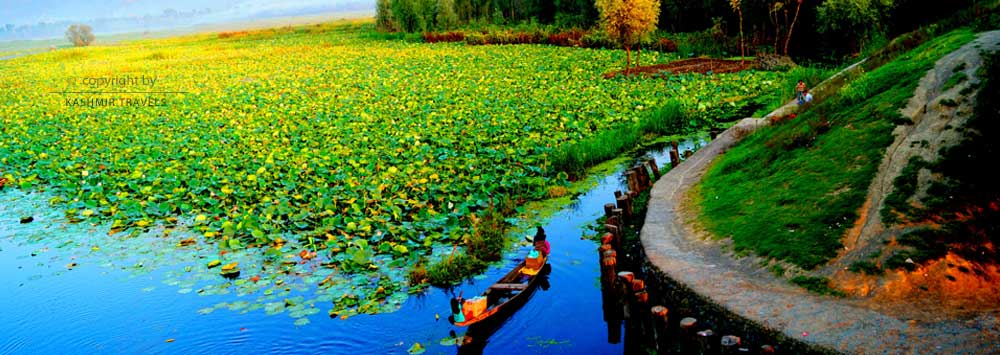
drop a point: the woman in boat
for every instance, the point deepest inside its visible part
(458, 316)
(541, 244)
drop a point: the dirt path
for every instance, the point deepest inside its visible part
(674, 245)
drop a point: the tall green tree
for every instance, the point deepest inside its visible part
(404, 14)
(383, 16)
(446, 17)
(857, 20)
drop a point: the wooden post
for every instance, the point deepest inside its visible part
(642, 177)
(730, 344)
(614, 220)
(608, 265)
(608, 239)
(611, 305)
(625, 204)
(689, 344)
(675, 158)
(601, 249)
(618, 193)
(630, 179)
(618, 212)
(646, 175)
(637, 177)
(626, 277)
(638, 285)
(688, 325)
(608, 207)
(688, 153)
(660, 327)
(616, 234)
(706, 341)
(655, 168)
(714, 132)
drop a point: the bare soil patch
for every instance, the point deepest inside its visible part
(694, 65)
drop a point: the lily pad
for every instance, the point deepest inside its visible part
(416, 349)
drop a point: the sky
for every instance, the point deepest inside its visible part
(30, 12)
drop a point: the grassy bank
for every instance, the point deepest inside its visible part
(791, 191)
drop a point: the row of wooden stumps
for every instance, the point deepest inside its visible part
(624, 294)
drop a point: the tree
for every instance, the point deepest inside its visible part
(737, 6)
(383, 16)
(856, 19)
(426, 11)
(628, 21)
(404, 15)
(788, 39)
(80, 35)
(446, 17)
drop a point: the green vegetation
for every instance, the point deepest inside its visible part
(962, 205)
(771, 100)
(573, 159)
(955, 79)
(790, 192)
(359, 173)
(818, 285)
(452, 270)
(829, 30)
(486, 244)
(904, 186)
(866, 267)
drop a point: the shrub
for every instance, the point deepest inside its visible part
(665, 45)
(866, 267)
(452, 36)
(235, 34)
(453, 269)
(819, 285)
(569, 38)
(487, 240)
(475, 38)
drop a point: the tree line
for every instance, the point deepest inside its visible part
(798, 27)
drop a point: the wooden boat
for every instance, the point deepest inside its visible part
(508, 293)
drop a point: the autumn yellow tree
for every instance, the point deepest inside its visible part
(628, 21)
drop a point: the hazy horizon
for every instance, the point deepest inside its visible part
(42, 19)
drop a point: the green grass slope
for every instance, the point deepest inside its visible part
(791, 191)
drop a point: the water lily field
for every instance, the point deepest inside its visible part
(311, 165)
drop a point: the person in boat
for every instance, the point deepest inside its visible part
(541, 244)
(456, 309)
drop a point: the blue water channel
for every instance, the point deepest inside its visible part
(71, 288)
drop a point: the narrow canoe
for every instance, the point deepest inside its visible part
(507, 293)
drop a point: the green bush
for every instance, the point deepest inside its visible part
(453, 269)
(865, 267)
(818, 285)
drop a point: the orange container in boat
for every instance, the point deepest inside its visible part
(474, 307)
(534, 263)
